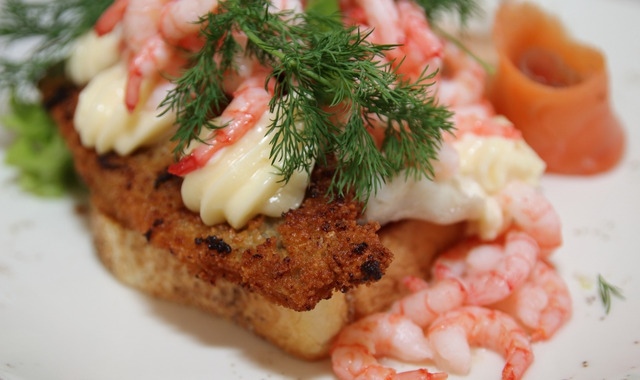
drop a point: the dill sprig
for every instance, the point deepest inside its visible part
(317, 64)
(606, 291)
(49, 28)
(464, 9)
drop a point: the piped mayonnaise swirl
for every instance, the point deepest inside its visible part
(240, 182)
(101, 118)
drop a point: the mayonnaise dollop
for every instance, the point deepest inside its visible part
(103, 121)
(240, 182)
(467, 191)
(101, 118)
(92, 54)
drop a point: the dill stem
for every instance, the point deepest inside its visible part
(281, 56)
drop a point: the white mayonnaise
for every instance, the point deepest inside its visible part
(464, 193)
(103, 121)
(239, 182)
(92, 54)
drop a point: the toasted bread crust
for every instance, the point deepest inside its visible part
(294, 261)
(308, 334)
(133, 261)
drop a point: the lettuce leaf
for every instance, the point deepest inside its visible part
(38, 151)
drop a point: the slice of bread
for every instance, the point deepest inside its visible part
(304, 334)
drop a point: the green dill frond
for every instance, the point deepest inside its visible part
(607, 291)
(464, 9)
(48, 28)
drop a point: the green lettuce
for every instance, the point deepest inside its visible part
(38, 151)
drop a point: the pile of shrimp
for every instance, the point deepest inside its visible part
(501, 293)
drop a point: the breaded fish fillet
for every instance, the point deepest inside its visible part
(294, 261)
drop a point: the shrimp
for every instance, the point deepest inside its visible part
(178, 22)
(462, 81)
(479, 120)
(154, 32)
(250, 102)
(429, 300)
(542, 304)
(452, 334)
(110, 17)
(401, 23)
(531, 212)
(490, 272)
(355, 351)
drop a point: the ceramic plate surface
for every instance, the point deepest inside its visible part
(62, 315)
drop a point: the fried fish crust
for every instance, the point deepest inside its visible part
(294, 261)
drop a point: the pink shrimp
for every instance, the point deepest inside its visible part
(479, 120)
(542, 304)
(178, 22)
(462, 80)
(356, 349)
(490, 272)
(154, 32)
(250, 101)
(403, 23)
(110, 17)
(429, 300)
(531, 212)
(452, 334)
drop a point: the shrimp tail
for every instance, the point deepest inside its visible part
(517, 362)
(110, 18)
(186, 165)
(132, 91)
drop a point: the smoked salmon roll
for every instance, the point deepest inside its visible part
(555, 90)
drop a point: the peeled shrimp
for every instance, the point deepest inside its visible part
(154, 36)
(401, 23)
(250, 102)
(490, 272)
(452, 334)
(357, 347)
(111, 17)
(542, 304)
(532, 212)
(462, 81)
(429, 300)
(178, 22)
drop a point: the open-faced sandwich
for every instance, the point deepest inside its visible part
(330, 175)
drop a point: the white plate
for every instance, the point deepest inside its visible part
(62, 316)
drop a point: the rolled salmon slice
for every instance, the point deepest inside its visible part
(555, 90)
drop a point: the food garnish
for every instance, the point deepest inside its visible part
(607, 291)
(38, 151)
(51, 27)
